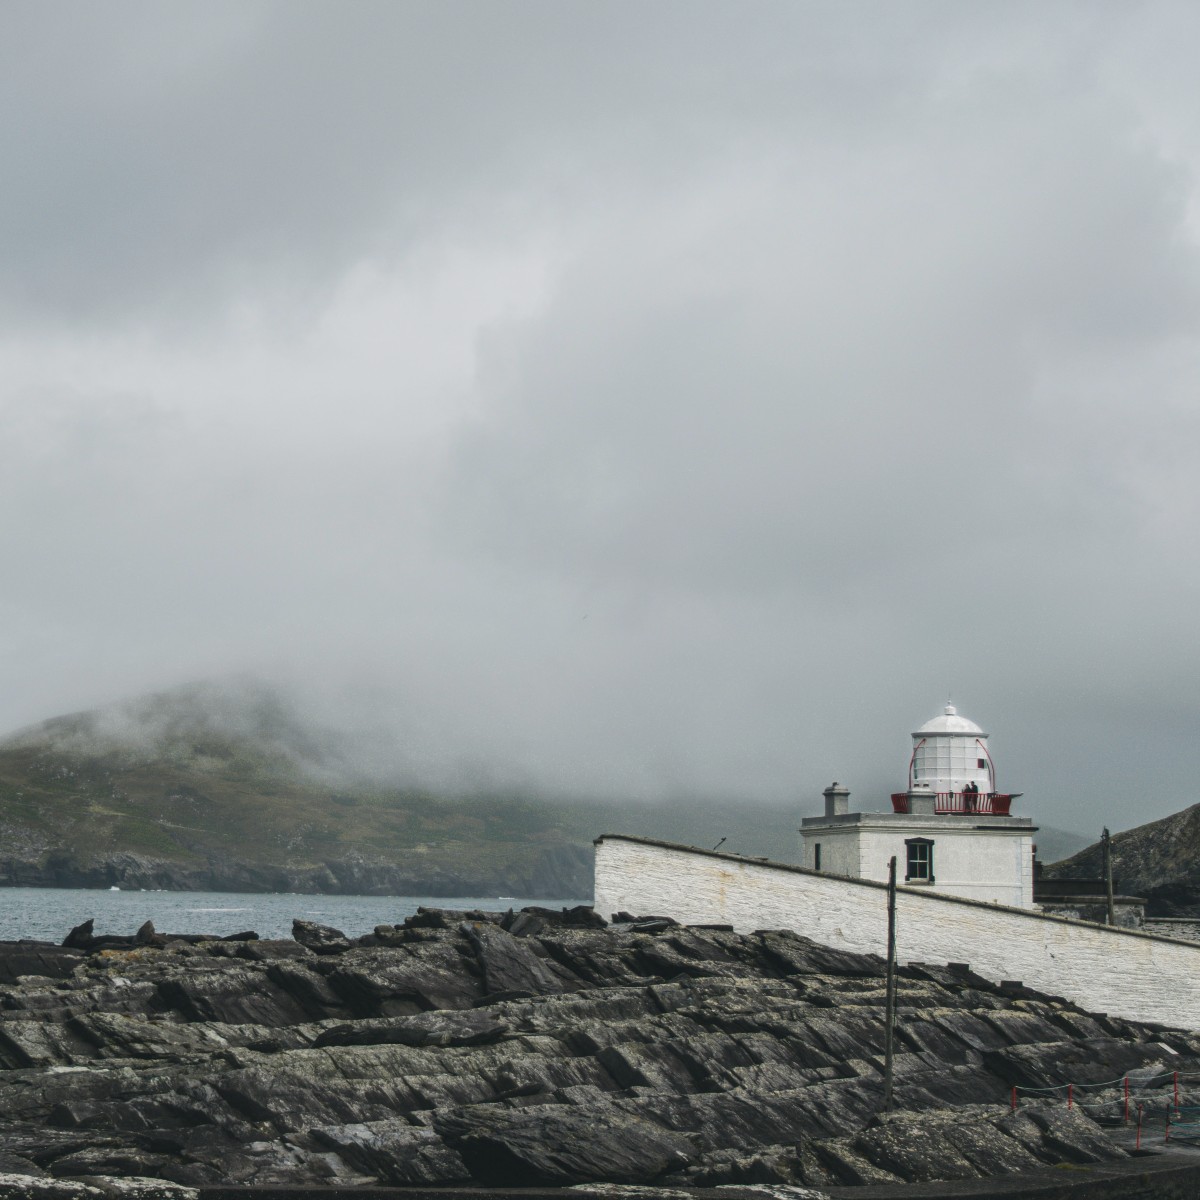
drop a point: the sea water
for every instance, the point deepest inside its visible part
(49, 914)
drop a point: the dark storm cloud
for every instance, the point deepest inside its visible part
(625, 398)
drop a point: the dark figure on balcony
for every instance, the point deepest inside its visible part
(971, 796)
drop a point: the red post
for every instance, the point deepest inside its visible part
(1176, 1081)
(1126, 1099)
(1014, 1098)
(1070, 1095)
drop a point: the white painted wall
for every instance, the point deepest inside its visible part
(991, 865)
(1123, 972)
(841, 852)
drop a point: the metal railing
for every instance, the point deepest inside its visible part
(994, 804)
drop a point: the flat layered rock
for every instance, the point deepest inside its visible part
(561, 1146)
(539, 1049)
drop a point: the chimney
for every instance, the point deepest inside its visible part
(837, 800)
(921, 802)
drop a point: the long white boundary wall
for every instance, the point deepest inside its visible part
(1141, 976)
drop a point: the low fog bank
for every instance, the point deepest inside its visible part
(352, 733)
(350, 736)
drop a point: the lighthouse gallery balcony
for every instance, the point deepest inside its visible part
(970, 804)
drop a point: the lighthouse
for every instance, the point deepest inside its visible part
(950, 830)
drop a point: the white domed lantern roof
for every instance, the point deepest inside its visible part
(949, 722)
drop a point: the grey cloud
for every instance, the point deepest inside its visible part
(165, 156)
(859, 379)
(666, 400)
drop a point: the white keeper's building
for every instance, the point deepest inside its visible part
(950, 831)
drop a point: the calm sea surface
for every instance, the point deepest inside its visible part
(48, 914)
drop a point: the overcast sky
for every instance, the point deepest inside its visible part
(650, 399)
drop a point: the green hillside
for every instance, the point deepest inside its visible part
(221, 786)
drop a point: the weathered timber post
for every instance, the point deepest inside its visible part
(1106, 843)
(889, 1017)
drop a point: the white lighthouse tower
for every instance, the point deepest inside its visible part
(950, 830)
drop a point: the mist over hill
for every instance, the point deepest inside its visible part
(229, 785)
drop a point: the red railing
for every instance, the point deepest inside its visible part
(994, 804)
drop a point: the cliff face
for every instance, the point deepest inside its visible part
(540, 1049)
(1160, 861)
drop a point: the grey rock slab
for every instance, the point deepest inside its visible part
(638, 1064)
(31, 1187)
(849, 1166)
(134, 1188)
(796, 955)
(18, 1164)
(592, 1036)
(509, 965)
(320, 939)
(769, 1165)
(953, 977)
(109, 1160)
(601, 957)
(117, 1035)
(237, 994)
(541, 1076)
(473, 1027)
(394, 1152)
(308, 988)
(848, 1035)
(400, 980)
(933, 1038)
(40, 1044)
(557, 1145)
(566, 1012)
(286, 1102)
(687, 952)
(1093, 1060)
(973, 1029)
(33, 959)
(948, 1088)
(914, 1151)
(989, 1150)
(742, 1119)
(190, 1106)
(82, 936)
(1025, 1024)
(451, 918)
(1073, 1135)
(272, 950)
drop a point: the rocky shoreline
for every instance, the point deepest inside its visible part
(540, 1049)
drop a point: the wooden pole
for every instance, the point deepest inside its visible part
(889, 1017)
(1106, 842)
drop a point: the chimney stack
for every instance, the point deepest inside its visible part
(837, 800)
